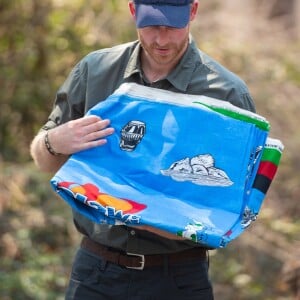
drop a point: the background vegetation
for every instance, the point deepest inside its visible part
(39, 43)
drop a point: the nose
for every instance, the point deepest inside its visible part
(163, 35)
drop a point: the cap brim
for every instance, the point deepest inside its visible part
(162, 15)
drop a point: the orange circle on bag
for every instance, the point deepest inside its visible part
(107, 200)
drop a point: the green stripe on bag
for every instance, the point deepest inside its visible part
(261, 124)
(272, 155)
(272, 151)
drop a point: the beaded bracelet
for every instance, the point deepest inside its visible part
(48, 145)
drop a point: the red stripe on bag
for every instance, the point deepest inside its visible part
(267, 169)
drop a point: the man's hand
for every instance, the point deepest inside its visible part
(80, 134)
(68, 138)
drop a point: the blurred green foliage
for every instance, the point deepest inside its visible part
(40, 41)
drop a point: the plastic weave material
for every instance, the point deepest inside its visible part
(190, 165)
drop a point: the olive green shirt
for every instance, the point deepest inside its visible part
(98, 75)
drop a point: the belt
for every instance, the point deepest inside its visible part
(140, 261)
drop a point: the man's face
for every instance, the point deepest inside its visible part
(163, 45)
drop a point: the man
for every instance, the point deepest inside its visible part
(118, 262)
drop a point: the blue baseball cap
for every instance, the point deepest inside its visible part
(171, 13)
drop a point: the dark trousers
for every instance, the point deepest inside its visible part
(94, 278)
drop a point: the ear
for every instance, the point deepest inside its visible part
(132, 9)
(194, 10)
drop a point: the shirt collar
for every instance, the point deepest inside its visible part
(133, 65)
(180, 77)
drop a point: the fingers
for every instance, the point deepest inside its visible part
(98, 134)
(89, 128)
(93, 132)
(97, 130)
(81, 134)
(97, 125)
(87, 120)
(92, 144)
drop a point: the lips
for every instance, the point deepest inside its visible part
(162, 51)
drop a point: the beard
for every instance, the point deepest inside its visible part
(169, 54)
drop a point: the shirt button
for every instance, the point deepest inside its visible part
(132, 232)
